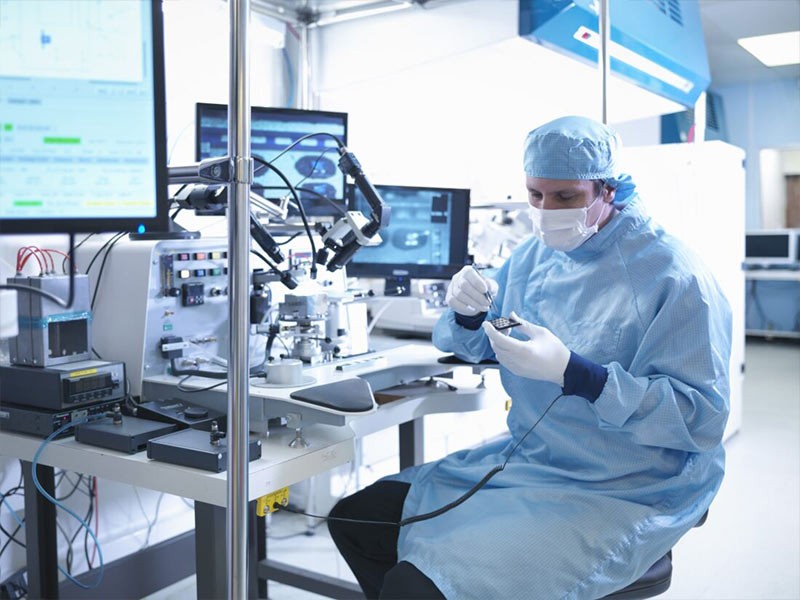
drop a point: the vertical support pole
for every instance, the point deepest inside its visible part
(41, 543)
(412, 440)
(238, 275)
(603, 56)
(700, 118)
(304, 69)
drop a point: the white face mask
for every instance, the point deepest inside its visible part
(563, 229)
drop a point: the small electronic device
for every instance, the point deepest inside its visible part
(181, 412)
(83, 139)
(425, 239)
(48, 333)
(776, 248)
(62, 387)
(42, 422)
(311, 166)
(121, 432)
(502, 323)
(207, 450)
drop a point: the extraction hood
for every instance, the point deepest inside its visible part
(655, 44)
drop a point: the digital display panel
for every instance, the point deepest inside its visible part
(311, 166)
(426, 237)
(82, 124)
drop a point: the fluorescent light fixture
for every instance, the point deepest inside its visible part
(637, 61)
(774, 50)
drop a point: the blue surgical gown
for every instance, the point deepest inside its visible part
(598, 492)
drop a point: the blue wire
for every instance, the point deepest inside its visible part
(14, 513)
(57, 503)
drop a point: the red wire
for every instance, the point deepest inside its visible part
(31, 251)
(64, 254)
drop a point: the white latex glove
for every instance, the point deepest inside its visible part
(543, 356)
(466, 293)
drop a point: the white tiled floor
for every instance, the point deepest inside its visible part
(748, 549)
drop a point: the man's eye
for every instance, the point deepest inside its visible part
(566, 197)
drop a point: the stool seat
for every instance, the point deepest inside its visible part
(654, 582)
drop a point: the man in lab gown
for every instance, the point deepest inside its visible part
(623, 346)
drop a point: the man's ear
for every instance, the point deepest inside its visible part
(608, 193)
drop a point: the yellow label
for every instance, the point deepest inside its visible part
(83, 373)
(266, 504)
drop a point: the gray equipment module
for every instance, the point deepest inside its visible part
(48, 333)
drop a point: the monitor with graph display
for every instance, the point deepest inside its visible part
(426, 237)
(311, 166)
(82, 117)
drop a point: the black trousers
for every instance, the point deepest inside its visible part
(371, 550)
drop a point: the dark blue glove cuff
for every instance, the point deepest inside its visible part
(583, 377)
(472, 323)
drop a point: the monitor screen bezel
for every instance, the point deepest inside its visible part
(416, 271)
(791, 237)
(200, 106)
(157, 223)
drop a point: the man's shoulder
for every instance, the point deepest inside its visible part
(654, 254)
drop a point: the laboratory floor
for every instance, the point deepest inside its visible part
(748, 549)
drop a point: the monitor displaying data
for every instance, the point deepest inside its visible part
(426, 237)
(311, 166)
(82, 120)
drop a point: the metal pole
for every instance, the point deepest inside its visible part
(603, 57)
(238, 307)
(304, 70)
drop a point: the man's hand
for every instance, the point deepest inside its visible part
(467, 292)
(543, 356)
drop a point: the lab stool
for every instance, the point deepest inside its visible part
(654, 582)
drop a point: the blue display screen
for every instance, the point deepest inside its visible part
(82, 136)
(426, 237)
(311, 166)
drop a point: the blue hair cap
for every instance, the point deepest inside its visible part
(572, 148)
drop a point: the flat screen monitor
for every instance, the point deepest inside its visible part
(426, 237)
(82, 117)
(772, 247)
(311, 166)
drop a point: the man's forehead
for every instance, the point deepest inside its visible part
(541, 184)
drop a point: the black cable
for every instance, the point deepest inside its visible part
(273, 267)
(74, 487)
(291, 237)
(194, 391)
(175, 214)
(434, 513)
(103, 247)
(299, 207)
(339, 142)
(102, 267)
(92, 484)
(11, 536)
(86, 519)
(70, 255)
(342, 211)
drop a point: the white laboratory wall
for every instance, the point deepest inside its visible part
(696, 191)
(773, 189)
(445, 96)
(196, 56)
(761, 115)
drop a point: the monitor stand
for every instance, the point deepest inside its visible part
(175, 232)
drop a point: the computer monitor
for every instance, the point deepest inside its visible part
(311, 166)
(426, 237)
(82, 117)
(772, 248)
